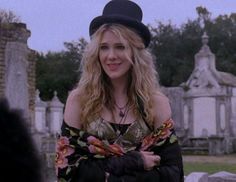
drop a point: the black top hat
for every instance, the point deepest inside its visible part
(123, 12)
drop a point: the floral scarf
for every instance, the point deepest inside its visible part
(75, 145)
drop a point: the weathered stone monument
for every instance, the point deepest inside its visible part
(221, 176)
(48, 120)
(17, 68)
(204, 107)
(210, 92)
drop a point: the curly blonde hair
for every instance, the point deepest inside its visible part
(95, 87)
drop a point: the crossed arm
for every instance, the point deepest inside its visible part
(81, 155)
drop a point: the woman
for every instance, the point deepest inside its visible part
(117, 124)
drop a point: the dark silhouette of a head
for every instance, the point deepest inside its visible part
(18, 155)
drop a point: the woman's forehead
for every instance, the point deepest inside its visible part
(113, 37)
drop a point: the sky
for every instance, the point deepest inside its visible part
(53, 22)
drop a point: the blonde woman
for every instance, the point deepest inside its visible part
(117, 124)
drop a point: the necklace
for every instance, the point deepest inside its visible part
(123, 115)
(122, 110)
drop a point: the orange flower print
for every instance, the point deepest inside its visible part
(96, 150)
(160, 134)
(94, 141)
(164, 134)
(62, 141)
(116, 149)
(63, 147)
(169, 124)
(147, 142)
(91, 138)
(60, 162)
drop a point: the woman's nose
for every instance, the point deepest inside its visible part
(111, 54)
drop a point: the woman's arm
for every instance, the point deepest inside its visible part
(73, 110)
(161, 109)
(171, 166)
(71, 149)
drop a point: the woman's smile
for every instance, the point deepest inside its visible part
(114, 66)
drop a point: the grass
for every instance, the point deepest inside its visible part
(209, 164)
(208, 167)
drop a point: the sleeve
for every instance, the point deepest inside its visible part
(125, 164)
(72, 153)
(164, 142)
(81, 156)
(171, 166)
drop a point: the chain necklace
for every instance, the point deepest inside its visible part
(122, 110)
(123, 117)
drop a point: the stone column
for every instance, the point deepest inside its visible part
(40, 114)
(233, 115)
(15, 75)
(55, 115)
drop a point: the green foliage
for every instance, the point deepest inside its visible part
(222, 32)
(174, 48)
(203, 14)
(59, 71)
(8, 17)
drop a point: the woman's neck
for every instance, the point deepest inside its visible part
(120, 91)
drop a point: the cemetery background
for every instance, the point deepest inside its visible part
(210, 129)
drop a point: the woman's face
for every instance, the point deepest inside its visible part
(115, 56)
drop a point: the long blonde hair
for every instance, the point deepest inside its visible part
(94, 87)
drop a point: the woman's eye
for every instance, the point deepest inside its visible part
(120, 47)
(103, 47)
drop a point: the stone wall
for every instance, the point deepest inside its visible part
(13, 41)
(32, 84)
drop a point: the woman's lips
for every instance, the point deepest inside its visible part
(114, 66)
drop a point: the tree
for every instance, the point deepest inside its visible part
(59, 71)
(8, 17)
(163, 46)
(204, 15)
(222, 32)
(76, 49)
(174, 48)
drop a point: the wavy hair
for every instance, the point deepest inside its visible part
(95, 88)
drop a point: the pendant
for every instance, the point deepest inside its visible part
(118, 132)
(121, 114)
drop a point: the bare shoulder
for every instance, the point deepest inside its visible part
(161, 108)
(73, 109)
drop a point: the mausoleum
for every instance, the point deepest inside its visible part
(204, 107)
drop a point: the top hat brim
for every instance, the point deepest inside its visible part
(137, 26)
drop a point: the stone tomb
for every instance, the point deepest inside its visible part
(205, 111)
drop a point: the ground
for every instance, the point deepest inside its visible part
(209, 164)
(229, 159)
